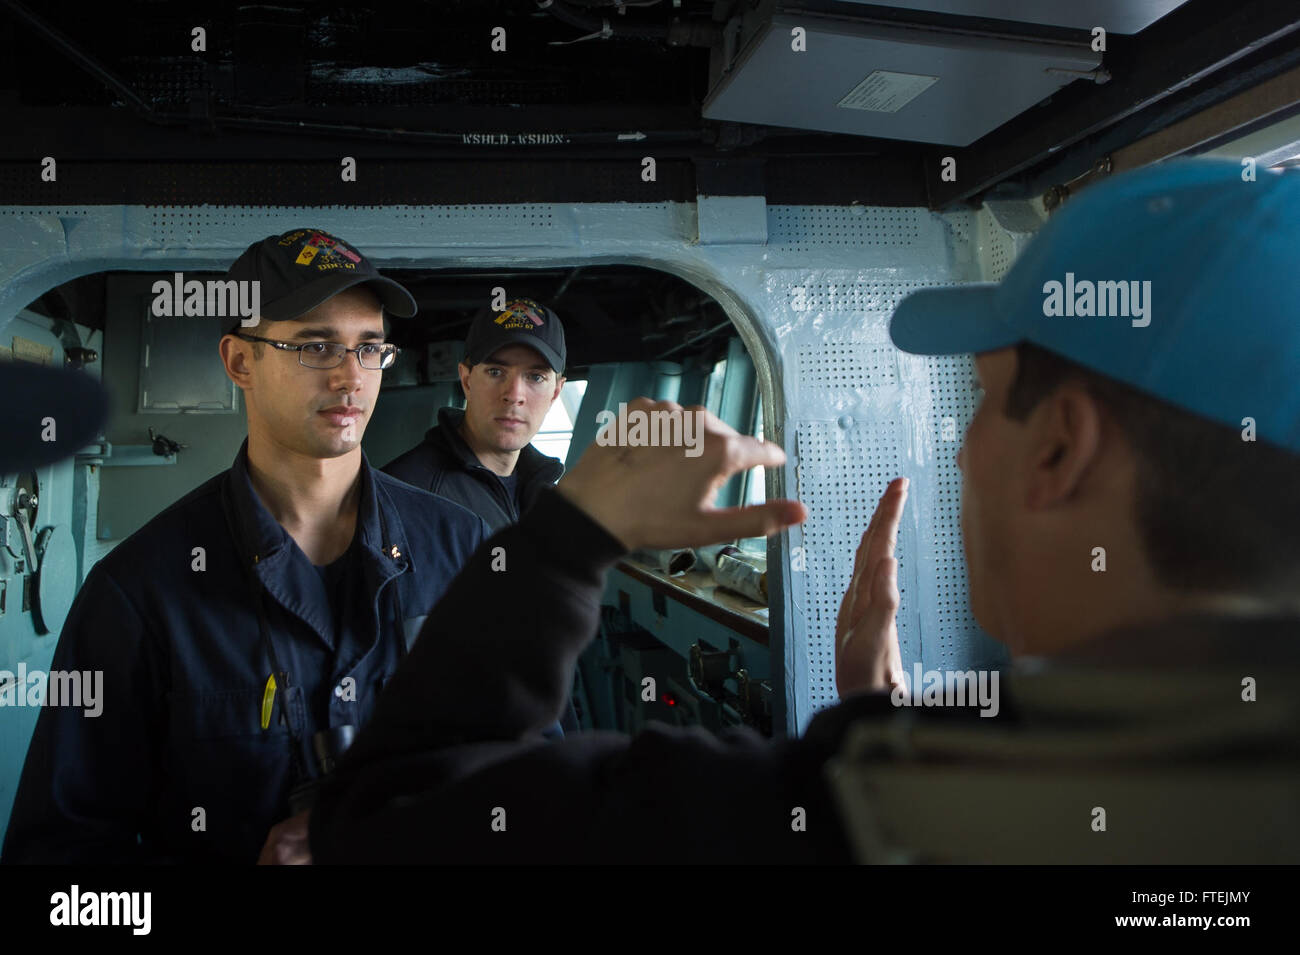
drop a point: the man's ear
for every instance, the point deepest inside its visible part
(237, 357)
(463, 370)
(559, 386)
(1065, 441)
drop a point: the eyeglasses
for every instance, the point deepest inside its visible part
(331, 354)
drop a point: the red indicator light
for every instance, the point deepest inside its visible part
(670, 699)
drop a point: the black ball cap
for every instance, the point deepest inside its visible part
(46, 414)
(303, 267)
(523, 321)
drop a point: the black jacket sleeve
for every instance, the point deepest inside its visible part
(495, 658)
(451, 768)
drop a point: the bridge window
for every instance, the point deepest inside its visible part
(556, 433)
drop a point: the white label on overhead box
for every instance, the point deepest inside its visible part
(886, 92)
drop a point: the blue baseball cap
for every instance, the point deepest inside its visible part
(1181, 279)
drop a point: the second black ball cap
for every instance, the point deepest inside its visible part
(301, 268)
(523, 321)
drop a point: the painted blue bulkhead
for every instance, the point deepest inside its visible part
(810, 290)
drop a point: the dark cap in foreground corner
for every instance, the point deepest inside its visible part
(1219, 337)
(301, 268)
(523, 321)
(36, 403)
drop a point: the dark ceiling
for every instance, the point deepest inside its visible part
(415, 90)
(406, 84)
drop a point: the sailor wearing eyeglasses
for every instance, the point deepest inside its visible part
(245, 632)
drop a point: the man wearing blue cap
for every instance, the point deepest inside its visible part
(1132, 534)
(245, 632)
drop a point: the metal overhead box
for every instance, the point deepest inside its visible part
(1115, 16)
(920, 84)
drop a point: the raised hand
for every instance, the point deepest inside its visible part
(660, 497)
(866, 631)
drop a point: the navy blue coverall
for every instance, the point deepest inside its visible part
(178, 767)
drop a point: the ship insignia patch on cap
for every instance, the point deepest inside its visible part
(323, 251)
(520, 314)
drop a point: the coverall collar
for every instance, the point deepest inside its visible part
(530, 462)
(266, 546)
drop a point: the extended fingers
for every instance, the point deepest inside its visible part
(734, 452)
(885, 532)
(741, 452)
(755, 520)
(886, 515)
(883, 528)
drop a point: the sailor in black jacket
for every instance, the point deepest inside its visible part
(185, 672)
(482, 457)
(256, 619)
(443, 464)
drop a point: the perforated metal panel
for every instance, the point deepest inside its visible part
(800, 227)
(864, 413)
(473, 224)
(842, 367)
(872, 414)
(944, 575)
(1000, 249)
(529, 216)
(843, 469)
